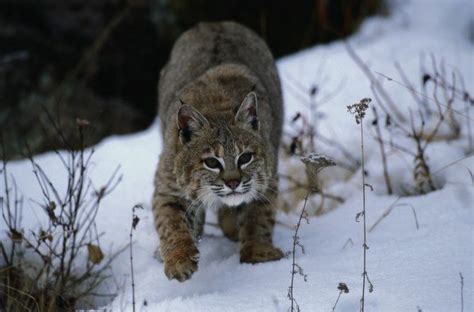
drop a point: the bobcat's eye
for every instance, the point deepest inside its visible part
(212, 163)
(244, 159)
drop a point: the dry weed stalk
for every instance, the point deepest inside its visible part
(386, 175)
(390, 209)
(342, 289)
(295, 267)
(135, 220)
(45, 263)
(462, 291)
(358, 110)
(314, 164)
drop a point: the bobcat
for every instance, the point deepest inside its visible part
(221, 114)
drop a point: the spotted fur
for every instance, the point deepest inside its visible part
(221, 113)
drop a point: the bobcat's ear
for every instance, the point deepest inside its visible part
(247, 113)
(189, 121)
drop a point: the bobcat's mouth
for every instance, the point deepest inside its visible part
(236, 193)
(235, 198)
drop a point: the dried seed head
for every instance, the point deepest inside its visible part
(318, 161)
(314, 164)
(135, 222)
(43, 236)
(343, 287)
(359, 109)
(135, 218)
(425, 78)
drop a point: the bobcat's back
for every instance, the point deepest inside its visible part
(211, 45)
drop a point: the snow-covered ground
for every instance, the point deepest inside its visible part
(409, 267)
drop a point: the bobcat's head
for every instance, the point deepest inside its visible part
(223, 159)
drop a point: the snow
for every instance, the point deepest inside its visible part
(409, 267)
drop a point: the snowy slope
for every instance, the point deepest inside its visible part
(409, 267)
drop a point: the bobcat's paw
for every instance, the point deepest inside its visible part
(254, 253)
(181, 263)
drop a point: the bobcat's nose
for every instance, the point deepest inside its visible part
(233, 184)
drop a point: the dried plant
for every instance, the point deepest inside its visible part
(342, 289)
(303, 137)
(358, 110)
(295, 267)
(298, 144)
(314, 164)
(306, 136)
(42, 267)
(432, 123)
(421, 137)
(135, 220)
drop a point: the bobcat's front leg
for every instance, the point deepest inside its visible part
(177, 247)
(256, 226)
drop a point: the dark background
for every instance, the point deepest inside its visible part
(99, 59)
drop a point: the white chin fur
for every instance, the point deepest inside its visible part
(234, 199)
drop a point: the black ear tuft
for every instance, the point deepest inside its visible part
(189, 121)
(248, 111)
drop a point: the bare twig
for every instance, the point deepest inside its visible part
(348, 242)
(416, 218)
(390, 209)
(425, 96)
(462, 291)
(21, 292)
(379, 139)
